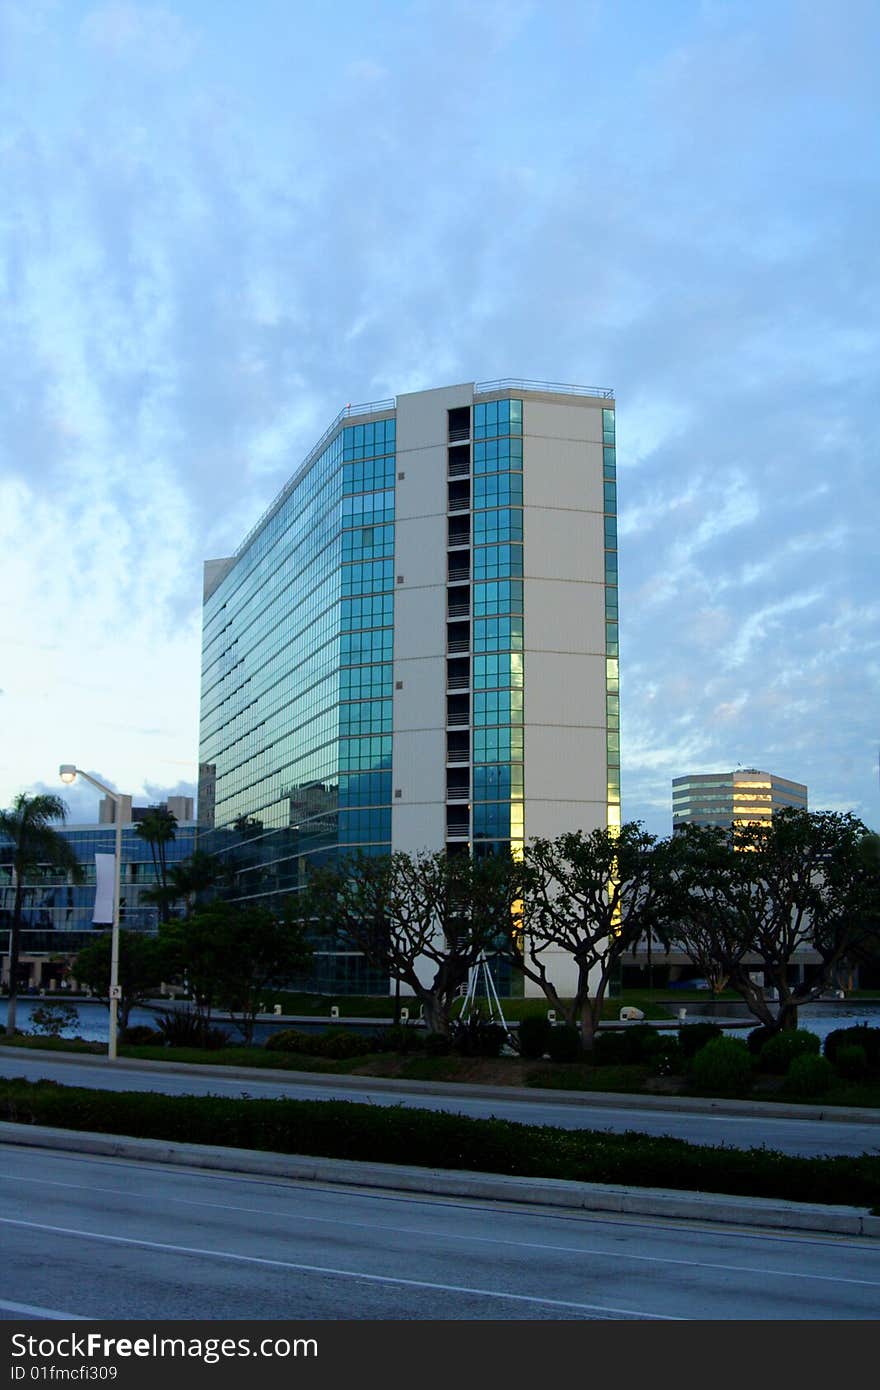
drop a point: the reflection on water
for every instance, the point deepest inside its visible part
(92, 1019)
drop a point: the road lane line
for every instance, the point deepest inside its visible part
(30, 1310)
(340, 1273)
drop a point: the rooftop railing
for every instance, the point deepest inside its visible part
(511, 383)
(350, 412)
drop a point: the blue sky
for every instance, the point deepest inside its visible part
(219, 223)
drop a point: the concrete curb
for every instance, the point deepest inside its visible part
(615, 1099)
(440, 1182)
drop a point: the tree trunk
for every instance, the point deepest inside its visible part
(788, 1015)
(14, 952)
(436, 1016)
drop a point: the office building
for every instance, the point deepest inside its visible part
(734, 798)
(416, 647)
(57, 916)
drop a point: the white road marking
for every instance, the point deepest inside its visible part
(30, 1310)
(340, 1273)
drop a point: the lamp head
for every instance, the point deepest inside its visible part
(67, 772)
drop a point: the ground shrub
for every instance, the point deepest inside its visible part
(693, 1036)
(186, 1028)
(437, 1045)
(340, 1044)
(478, 1038)
(140, 1035)
(722, 1068)
(861, 1035)
(851, 1062)
(667, 1058)
(533, 1037)
(564, 1043)
(52, 1019)
(758, 1037)
(395, 1134)
(808, 1075)
(290, 1040)
(779, 1052)
(400, 1037)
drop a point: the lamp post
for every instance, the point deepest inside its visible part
(68, 773)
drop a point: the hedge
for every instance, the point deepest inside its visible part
(436, 1139)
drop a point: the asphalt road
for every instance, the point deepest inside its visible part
(796, 1135)
(86, 1237)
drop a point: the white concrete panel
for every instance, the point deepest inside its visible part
(421, 704)
(422, 489)
(421, 415)
(562, 473)
(564, 688)
(561, 616)
(419, 622)
(561, 420)
(420, 550)
(564, 764)
(548, 819)
(563, 545)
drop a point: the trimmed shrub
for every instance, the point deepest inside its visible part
(290, 1040)
(564, 1043)
(861, 1035)
(779, 1052)
(667, 1058)
(478, 1038)
(338, 1045)
(399, 1038)
(723, 1067)
(809, 1075)
(693, 1036)
(140, 1035)
(533, 1037)
(52, 1019)
(611, 1048)
(851, 1062)
(758, 1037)
(437, 1045)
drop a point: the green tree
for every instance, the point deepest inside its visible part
(589, 896)
(158, 827)
(36, 845)
(194, 877)
(142, 966)
(423, 919)
(748, 903)
(230, 955)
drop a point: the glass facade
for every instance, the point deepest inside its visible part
(612, 648)
(297, 676)
(57, 915)
(497, 776)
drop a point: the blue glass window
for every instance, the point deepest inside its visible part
(505, 596)
(609, 463)
(611, 602)
(497, 561)
(363, 441)
(368, 509)
(497, 455)
(498, 634)
(359, 827)
(611, 533)
(497, 782)
(610, 566)
(491, 821)
(610, 497)
(362, 647)
(365, 717)
(368, 543)
(502, 525)
(364, 789)
(368, 476)
(497, 671)
(364, 754)
(497, 707)
(493, 418)
(365, 683)
(497, 490)
(607, 426)
(367, 577)
(377, 611)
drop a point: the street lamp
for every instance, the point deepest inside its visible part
(68, 773)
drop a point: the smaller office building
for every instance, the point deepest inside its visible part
(727, 799)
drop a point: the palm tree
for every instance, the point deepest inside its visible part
(34, 844)
(158, 827)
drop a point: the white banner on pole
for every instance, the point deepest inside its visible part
(104, 873)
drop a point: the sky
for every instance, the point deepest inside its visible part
(220, 223)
